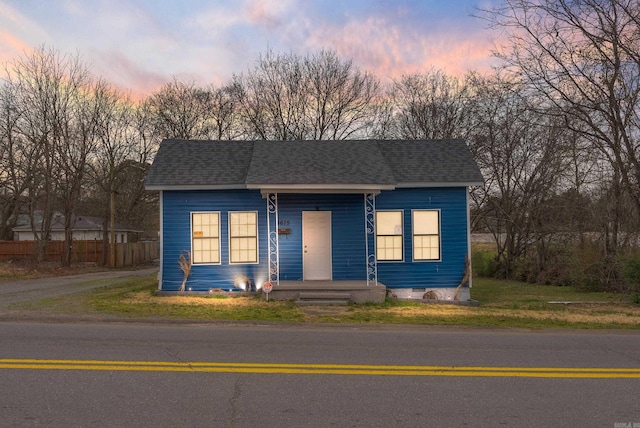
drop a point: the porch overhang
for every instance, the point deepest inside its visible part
(374, 189)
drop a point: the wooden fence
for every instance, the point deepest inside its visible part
(129, 254)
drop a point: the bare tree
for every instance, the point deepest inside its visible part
(429, 106)
(116, 138)
(287, 97)
(221, 108)
(181, 110)
(341, 98)
(14, 156)
(583, 58)
(49, 88)
(521, 155)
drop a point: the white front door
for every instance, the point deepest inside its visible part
(316, 245)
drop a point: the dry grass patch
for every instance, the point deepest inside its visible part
(622, 314)
(143, 297)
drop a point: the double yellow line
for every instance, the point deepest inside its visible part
(327, 369)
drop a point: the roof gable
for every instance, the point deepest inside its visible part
(354, 164)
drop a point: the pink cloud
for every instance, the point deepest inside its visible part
(269, 14)
(127, 74)
(11, 47)
(389, 51)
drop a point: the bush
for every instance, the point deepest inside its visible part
(484, 263)
(630, 272)
(588, 269)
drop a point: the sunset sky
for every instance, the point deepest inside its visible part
(139, 45)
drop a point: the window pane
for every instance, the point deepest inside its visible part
(205, 242)
(426, 247)
(425, 222)
(243, 250)
(389, 248)
(389, 222)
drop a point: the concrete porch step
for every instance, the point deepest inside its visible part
(319, 302)
(323, 298)
(324, 295)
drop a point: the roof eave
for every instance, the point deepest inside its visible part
(320, 188)
(195, 186)
(440, 184)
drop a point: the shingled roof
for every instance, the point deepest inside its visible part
(349, 164)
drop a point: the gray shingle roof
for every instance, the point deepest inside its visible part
(318, 162)
(181, 164)
(430, 162)
(194, 163)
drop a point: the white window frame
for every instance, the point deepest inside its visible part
(211, 238)
(401, 235)
(438, 235)
(231, 237)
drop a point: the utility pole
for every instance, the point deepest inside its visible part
(112, 253)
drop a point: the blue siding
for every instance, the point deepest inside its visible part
(177, 209)
(347, 233)
(446, 272)
(348, 236)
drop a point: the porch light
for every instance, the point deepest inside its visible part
(259, 281)
(241, 281)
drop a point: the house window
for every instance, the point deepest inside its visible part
(426, 235)
(205, 238)
(243, 237)
(389, 235)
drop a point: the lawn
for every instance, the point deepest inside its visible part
(503, 304)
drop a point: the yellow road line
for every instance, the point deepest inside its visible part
(336, 369)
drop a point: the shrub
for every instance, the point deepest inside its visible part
(484, 263)
(630, 271)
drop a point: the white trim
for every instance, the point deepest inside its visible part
(466, 196)
(257, 238)
(219, 262)
(413, 250)
(196, 187)
(375, 241)
(305, 269)
(313, 188)
(320, 188)
(439, 184)
(161, 238)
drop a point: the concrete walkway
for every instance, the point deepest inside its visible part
(32, 289)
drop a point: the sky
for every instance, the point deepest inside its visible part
(139, 45)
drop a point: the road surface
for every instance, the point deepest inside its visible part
(222, 375)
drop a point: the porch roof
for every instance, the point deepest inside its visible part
(341, 166)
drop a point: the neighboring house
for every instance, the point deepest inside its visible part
(380, 212)
(85, 228)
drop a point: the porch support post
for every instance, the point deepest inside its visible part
(272, 230)
(370, 237)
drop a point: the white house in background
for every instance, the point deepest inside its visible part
(85, 228)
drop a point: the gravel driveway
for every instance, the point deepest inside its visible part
(32, 289)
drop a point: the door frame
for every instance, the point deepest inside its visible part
(328, 241)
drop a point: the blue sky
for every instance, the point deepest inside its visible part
(139, 45)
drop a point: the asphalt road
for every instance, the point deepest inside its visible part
(221, 375)
(269, 375)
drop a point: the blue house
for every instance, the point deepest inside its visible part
(368, 214)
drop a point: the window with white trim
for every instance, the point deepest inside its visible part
(426, 235)
(205, 238)
(389, 236)
(243, 237)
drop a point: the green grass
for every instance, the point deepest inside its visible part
(503, 304)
